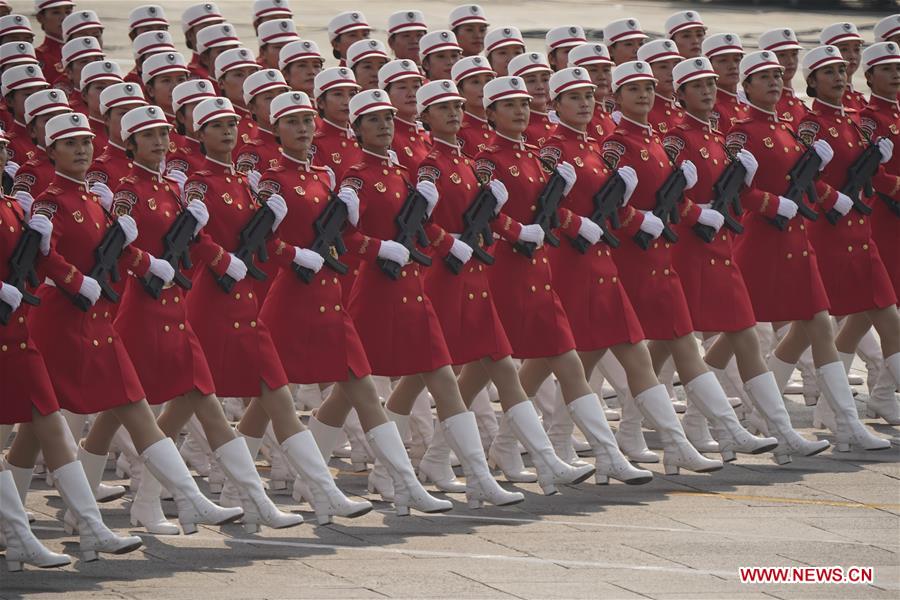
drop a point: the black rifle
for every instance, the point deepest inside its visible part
(329, 243)
(802, 176)
(252, 244)
(606, 213)
(891, 203)
(668, 197)
(477, 228)
(859, 180)
(176, 253)
(410, 231)
(21, 270)
(726, 197)
(546, 214)
(106, 269)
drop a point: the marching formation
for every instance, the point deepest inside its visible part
(440, 220)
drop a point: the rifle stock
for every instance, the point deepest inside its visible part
(21, 270)
(411, 231)
(476, 228)
(546, 214)
(668, 197)
(175, 252)
(252, 245)
(328, 227)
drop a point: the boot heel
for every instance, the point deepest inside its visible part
(251, 527)
(842, 447)
(475, 503)
(323, 518)
(728, 456)
(215, 488)
(810, 400)
(89, 556)
(549, 489)
(70, 529)
(276, 485)
(402, 510)
(601, 479)
(783, 459)
(358, 467)
(188, 528)
(871, 414)
(672, 469)
(13, 566)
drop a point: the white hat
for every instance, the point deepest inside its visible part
(21, 77)
(333, 78)
(83, 47)
(502, 88)
(436, 92)
(467, 13)
(211, 109)
(277, 31)
(758, 61)
(778, 40)
(45, 102)
(141, 118)
(839, 32)
(234, 58)
(161, 64)
(192, 90)
(658, 50)
(299, 50)
(362, 49)
(80, 21)
(40, 5)
(397, 70)
(530, 62)
(621, 30)
(722, 43)
(589, 54)
(819, 57)
(100, 70)
(502, 36)
(347, 21)
(438, 41)
(121, 94)
(691, 69)
(886, 28)
(263, 81)
(263, 9)
(406, 20)
(201, 15)
(148, 14)
(11, 24)
(221, 35)
(290, 103)
(633, 70)
(468, 66)
(369, 101)
(152, 42)
(571, 78)
(881, 53)
(565, 37)
(65, 126)
(686, 19)
(16, 53)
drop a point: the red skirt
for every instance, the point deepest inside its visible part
(886, 233)
(24, 380)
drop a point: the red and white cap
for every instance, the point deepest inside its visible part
(220, 35)
(881, 53)
(299, 50)
(438, 41)
(779, 40)
(884, 29)
(691, 69)
(621, 30)
(685, 19)
(65, 126)
(406, 20)
(837, 33)
(722, 43)
(503, 88)
(572, 78)
(152, 42)
(397, 70)
(79, 21)
(658, 50)
(565, 37)
(46, 102)
(362, 49)
(141, 118)
(502, 36)
(192, 90)
(163, 63)
(589, 54)
(40, 5)
(13, 24)
(211, 109)
(290, 103)
(334, 77)
(468, 66)
(146, 16)
(264, 9)
(201, 15)
(628, 72)
(83, 47)
(369, 101)
(121, 94)
(758, 61)
(436, 92)
(467, 13)
(351, 20)
(21, 77)
(819, 57)
(17, 53)
(235, 58)
(277, 31)
(263, 81)
(530, 62)
(100, 70)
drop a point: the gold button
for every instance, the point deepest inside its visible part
(403, 299)
(418, 298)
(23, 346)
(471, 296)
(337, 308)
(236, 325)
(712, 261)
(849, 248)
(21, 319)
(865, 246)
(665, 271)
(323, 282)
(181, 326)
(335, 280)
(250, 295)
(484, 294)
(533, 289)
(656, 244)
(727, 262)
(237, 296)
(177, 299)
(805, 253)
(789, 255)
(94, 316)
(166, 327)
(653, 272)
(321, 309)
(403, 273)
(96, 343)
(862, 221)
(163, 301)
(547, 287)
(105, 314)
(615, 279)
(109, 340)
(4, 348)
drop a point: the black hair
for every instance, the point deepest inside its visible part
(130, 141)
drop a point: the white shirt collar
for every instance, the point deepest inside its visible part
(646, 126)
(302, 163)
(520, 141)
(229, 166)
(80, 182)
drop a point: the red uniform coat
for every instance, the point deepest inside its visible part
(247, 129)
(854, 99)
(474, 134)
(35, 175)
(110, 168)
(133, 76)
(790, 108)
(49, 54)
(101, 139)
(258, 154)
(728, 109)
(411, 143)
(849, 261)
(601, 124)
(196, 68)
(186, 156)
(540, 127)
(20, 148)
(665, 114)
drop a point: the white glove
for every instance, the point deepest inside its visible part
(332, 181)
(11, 295)
(533, 233)
(43, 226)
(690, 173)
(105, 194)
(349, 197)
(90, 289)
(616, 116)
(429, 191)
(278, 206)
(567, 172)
(308, 259)
(25, 200)
(179, 177)
(237, 270)
(392, 158)
(129, 227)
(11, 168)
(461, 250)
(824, 151)
(629, 176)
(553, 117)
(394, 252)
(711, 218)
(253, 178)
(787, 208)
(886, 147)
(746, 158)
(843, 204)
(162, 269)
(652, 225)
(200, 212)
(498, 189)
(590, 230)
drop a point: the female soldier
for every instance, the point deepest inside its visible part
(784, 45)
(470, 74)
(300, 62)
(594, 58)
(365, 58)
(438, 52)
(401, 80)
(535, 72)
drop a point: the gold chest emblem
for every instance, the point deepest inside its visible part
(645, 154)
(663, 127)
(578, 162)
(455, 178)
(768, 143)
(151, 203)
(79, 218)
(300, 191)
(227, 199)
(381, 187)
(245, 137)
(514, 170)
(408, 150)
(336, 158)
(833, 131)
(273, 162)
(172, 147)
(704, 152)
(893, 128)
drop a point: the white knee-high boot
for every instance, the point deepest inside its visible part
(848, 429)
(488, 426)
(21, 545)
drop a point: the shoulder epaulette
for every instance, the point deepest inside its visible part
(202, 173)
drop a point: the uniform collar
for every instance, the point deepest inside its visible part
(385, 160)
(670, 101)
(475, 117)
(771, 116)
(264, 130)
(733, 96)
(453, 148)
(828, 107)
(157, 176)
(632, 124)
(96, 120)
(303, 164)
(706, 125)
(411, 124)
(345, 130)
(891, 102)
(71, 180)
(519, 144)
(114, 146)
(581, 135)
(228, 167)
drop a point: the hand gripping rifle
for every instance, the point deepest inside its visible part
(176, 253)
(859, 180)
(329, 243)
(106, 269)
(252, 244)
(477, 228)
(802, 182)
(726, 197)
(546, 215)
(668, 197)
(411, 231)
(21, 270)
